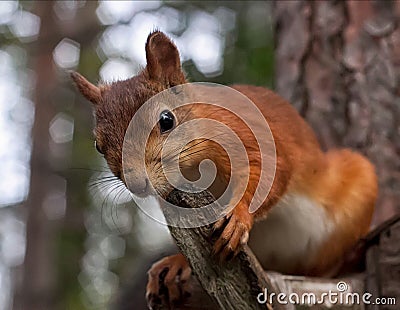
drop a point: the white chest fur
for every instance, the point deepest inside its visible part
(291, 234)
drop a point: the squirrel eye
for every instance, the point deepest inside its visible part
(96, 145)
(167, 121)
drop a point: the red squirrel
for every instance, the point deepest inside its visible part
(320, 203)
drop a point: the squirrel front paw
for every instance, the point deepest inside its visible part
(167, 281)
(235, 229)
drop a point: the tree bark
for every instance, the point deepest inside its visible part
(233, 285)
(383, 263)
(338, 62)
(37, 286)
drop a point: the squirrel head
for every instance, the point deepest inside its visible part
(115, 104)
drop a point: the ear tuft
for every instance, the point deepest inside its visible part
(163, 61)
(90, 91)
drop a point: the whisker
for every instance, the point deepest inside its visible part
(177, 158)
(107, 177)
(93, 184)
(99, 190)
(89, 169)
(175, 152)
(188, 112)
(114, 205)
(106, 199)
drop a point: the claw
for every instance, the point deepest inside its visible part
(220, 224)
(167, 277)
(233, 231)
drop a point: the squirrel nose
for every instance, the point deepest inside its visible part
(139, 186)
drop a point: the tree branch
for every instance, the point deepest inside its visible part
(233, 285)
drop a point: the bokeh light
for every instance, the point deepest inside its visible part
(105, 41)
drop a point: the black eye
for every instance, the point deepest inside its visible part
(167, 121)
(96, 145)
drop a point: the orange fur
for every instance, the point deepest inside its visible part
(340, 181)
(338, 188)
(348, 192)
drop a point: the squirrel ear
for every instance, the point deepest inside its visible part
(87, 89)
(163, 61)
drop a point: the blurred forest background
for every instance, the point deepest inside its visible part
(71, 240)
(68, 240)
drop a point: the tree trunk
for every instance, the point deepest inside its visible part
(38, 281)
(338, 62)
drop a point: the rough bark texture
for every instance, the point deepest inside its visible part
(338, 62)
(383, 265)
(232, 285)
